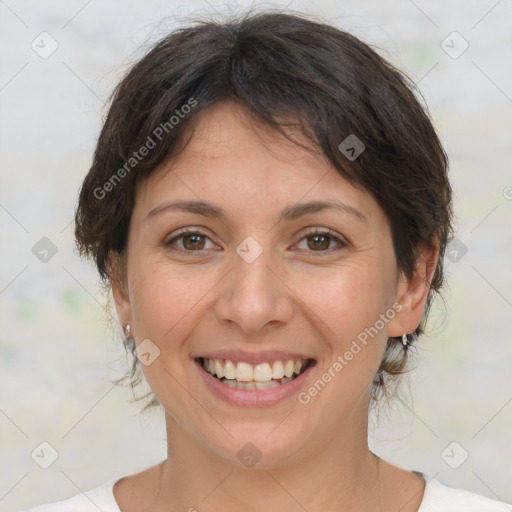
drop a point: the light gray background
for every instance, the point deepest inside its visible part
(58, 352)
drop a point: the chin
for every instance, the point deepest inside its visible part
(261, 446)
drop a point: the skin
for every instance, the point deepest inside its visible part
(293, 297)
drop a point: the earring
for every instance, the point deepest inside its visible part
(405, 340)
(127, 329)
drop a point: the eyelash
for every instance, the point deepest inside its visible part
(315, 232)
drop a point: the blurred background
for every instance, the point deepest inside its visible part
(64, 426)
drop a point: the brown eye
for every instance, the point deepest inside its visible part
(188, 241)
(193, 242)
(321, 242)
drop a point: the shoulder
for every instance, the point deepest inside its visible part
(439, 498)
(99, 498)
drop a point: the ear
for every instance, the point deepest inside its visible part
(412, 293)
(116, 269)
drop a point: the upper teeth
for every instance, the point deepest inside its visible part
(246, 372)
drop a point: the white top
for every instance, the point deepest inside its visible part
(437, 498)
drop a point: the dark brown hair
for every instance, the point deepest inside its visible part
(277, 66)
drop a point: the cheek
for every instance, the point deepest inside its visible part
(167, 305)
(347, 298)
(166, 299)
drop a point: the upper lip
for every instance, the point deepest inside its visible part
(262, 356)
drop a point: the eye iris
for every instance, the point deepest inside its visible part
(195, 239)
(323, 244)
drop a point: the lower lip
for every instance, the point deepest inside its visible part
(253, 397)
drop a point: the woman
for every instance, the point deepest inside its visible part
(270, 205)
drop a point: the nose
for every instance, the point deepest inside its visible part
(254, 297)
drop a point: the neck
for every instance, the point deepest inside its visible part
(341, 470)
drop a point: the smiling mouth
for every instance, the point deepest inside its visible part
(261, 376)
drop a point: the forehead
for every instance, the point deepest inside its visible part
(233, 160)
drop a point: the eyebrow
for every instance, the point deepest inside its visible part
(289, 213)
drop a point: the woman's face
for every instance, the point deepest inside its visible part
(263, 279)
